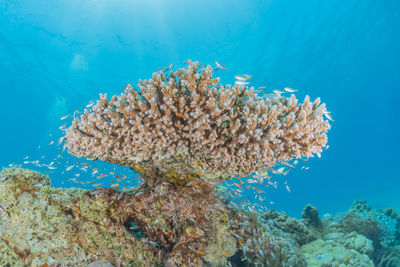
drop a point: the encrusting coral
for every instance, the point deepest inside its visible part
(186, 124)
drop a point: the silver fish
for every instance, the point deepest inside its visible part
(271, 96)
(91, 103)
(164, 69)
(290, 90)
(64, 117)
(328, 115)
(241, 83)
(243, 77)
(219, 65)
(60, 140)
(259, 89)
(69, 168)
(278, 92)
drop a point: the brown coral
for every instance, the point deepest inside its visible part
(186, 120)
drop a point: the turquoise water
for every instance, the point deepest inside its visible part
(55, 56)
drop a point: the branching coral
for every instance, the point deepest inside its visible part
(187, 123)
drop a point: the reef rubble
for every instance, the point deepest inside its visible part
(41, 225)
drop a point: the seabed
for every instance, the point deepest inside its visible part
(41, 225)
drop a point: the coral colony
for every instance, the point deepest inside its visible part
(185, 134)
(185, 125)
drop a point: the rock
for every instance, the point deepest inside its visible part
(100, 264)
(368, 227)
(332, 254)
(311, 217)
(296, 229)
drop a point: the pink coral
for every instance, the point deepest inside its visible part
(188, 122)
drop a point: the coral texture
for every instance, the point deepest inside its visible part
(41, 225)
(186, 121)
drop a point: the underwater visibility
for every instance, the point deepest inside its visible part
(182, 133)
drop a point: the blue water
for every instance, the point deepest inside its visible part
(55, 56)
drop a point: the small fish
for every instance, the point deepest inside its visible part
(66, 116)
(286, 172)
(97, 185)
(69, 168)
(120, 195)
(130, 203)
(271, 96)
(38, 185)
(116, 185)
(62, 127)
(219, 65)
(260, 89)
(290, 90)
(328, 115)
(26, 157)
(52, 142)
(2, 179)
(91, 103)
(278, 92)
(60, 140)
(245, 100)
(164, 69)
(243, 77)
(241, 83)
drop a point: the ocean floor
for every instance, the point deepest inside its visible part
(179, 226)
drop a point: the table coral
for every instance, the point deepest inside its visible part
(186, 124)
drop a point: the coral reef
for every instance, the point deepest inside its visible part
(388, 221)
(326, 254)
(295, 228)
(185, 124)
(45, 226)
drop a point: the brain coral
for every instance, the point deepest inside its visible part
(187, 123)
